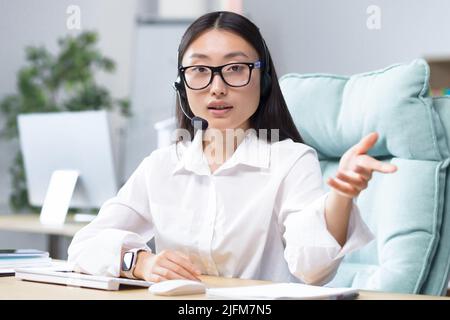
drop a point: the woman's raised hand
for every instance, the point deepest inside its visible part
(356, 167)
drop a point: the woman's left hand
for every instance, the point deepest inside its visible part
(356, 167)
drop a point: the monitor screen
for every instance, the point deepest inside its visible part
(78, 141)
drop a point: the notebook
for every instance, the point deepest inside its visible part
(21, 258)
(295, 291)
(65, 276)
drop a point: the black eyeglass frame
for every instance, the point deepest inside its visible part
(218, 69)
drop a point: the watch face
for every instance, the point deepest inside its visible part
(127, 261)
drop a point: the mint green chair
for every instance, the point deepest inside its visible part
(408, 211)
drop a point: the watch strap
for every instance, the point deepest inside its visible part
(129, 273)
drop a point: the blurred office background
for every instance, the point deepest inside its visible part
(141, 36)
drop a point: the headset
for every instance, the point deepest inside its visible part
(266, 84)
(266, 80)
(197, 122)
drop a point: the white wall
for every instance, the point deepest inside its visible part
(332, 36)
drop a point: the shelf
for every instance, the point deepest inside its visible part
(439, 75)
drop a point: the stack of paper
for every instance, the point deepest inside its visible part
(282, 291)
(22, 258)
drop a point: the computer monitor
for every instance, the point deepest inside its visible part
(63, 147)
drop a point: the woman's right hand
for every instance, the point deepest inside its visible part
(165, 265)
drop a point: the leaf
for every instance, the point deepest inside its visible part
(124, 105)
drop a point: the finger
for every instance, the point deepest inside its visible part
(184, 261)
(370, 163)
(193, 268)
(181, 254)
(366, 143)
(166, 273)
(367, 174)
(176, 268)
(155, 278)
(353, 179)
(181, 259)
(343, 188)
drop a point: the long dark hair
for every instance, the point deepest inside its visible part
(272, 112)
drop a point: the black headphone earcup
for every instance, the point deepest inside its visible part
(180, 88)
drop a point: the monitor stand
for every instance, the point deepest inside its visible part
(58, 196)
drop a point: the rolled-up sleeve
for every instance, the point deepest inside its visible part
(312, 253)
(123, 222)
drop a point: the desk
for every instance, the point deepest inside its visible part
(29, 290)
(13, 288)
(30, 223)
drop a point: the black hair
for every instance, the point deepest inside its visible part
(272, 111)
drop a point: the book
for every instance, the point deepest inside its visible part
(282, 291)
(15, 258)
(21, 253)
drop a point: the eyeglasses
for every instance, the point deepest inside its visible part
(198, 77)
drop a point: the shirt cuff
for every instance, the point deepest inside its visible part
(103, 254)
(311, 250)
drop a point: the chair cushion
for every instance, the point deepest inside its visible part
(407, 220)
(334, 112)
(408, 211)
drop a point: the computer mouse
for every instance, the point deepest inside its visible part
(177, 287)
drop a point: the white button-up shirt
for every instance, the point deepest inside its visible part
(260, 215)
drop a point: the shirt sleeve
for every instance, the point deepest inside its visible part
(123, 223)
(312, 253)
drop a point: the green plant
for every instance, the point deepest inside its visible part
(54, 83)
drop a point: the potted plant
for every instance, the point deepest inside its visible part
(54, 83)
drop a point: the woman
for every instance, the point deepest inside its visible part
(240, 195)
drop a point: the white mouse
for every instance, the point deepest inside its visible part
(177, 287)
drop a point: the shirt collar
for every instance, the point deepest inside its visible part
(252, 151)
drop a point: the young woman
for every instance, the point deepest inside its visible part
(240, 195)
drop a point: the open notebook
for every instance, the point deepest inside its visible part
(65, 276)
(282, 291)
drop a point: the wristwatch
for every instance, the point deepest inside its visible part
(129, 262)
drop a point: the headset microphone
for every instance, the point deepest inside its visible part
(197, 122)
